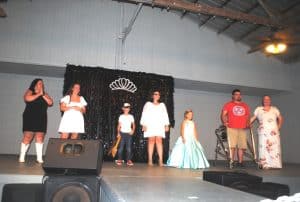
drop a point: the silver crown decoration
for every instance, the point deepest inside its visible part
(123, 84)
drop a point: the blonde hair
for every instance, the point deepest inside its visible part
(186, 112)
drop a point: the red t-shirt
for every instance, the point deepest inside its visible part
(237, 114)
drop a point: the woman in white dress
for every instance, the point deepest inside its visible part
(270, 122)
(155, 122)
(74, 106)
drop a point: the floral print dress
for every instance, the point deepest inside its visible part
(269, 147)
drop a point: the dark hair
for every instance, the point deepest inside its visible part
(70, 91)
(235, 91)
(155, 90)
(262, 100)
(33, 84)
(152, 93)
(266, 96)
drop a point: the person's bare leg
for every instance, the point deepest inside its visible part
(241, 155)
(232, 157)
(232, 154)
(159, 148)
(27, 137)
(64, 135)
(74, 136)
(39, 137)
(151, 142)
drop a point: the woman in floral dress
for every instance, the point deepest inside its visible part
(270, 122)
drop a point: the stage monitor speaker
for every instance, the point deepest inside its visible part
(236, 180)
(270, 190)
(22, 193)
(74, 188)
(64, 156)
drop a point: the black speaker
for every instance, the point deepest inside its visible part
(22, 193)
(74, 188)
(64, 156)
(237, 180)
(270, 190)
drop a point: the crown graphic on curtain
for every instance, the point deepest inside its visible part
(123, 84)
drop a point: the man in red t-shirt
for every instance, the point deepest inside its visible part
(236, 116)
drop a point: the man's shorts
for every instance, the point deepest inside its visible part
(237, 137)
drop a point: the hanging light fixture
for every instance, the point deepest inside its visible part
(276, 48)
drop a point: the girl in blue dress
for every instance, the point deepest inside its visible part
(188, 152)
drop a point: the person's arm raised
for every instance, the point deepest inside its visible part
(29, 96)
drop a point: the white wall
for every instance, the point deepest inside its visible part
(289, 106)
(79, 32)
(58, 32)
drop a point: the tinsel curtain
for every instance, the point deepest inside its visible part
(104, 104)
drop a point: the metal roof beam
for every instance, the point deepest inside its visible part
(291, 6)
(247, 33)
(234, 22)
(210, 17)
(270, 11)
(209, 10)
(185, 12)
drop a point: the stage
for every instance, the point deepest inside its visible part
(153, 183)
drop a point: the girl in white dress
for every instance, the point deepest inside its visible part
(73, 105)
(155, 122)
(188, 152)
(270, 122)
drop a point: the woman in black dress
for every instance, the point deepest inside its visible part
(35, 118)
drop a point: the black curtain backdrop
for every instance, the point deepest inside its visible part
(104, 104)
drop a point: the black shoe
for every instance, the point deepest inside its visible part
(241, 165)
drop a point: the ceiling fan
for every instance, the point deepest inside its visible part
(278, 39)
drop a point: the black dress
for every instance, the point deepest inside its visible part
(35, 116)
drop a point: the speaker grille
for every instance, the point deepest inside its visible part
(73, 157)
(71, 188)
(71, 193)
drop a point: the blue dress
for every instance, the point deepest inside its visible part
(189, 154)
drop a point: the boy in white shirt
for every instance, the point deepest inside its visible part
(126, 127)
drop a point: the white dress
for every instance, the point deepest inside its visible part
(155, 118)
(189, 154)
(269, 148)
(72, 120)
